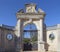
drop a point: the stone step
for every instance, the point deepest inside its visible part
(30, 51)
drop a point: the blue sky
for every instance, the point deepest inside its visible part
(9, 8)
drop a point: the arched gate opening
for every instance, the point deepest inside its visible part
(30, 42)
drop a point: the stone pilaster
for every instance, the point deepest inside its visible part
(19, 47)
(40, 37)
(41, 30)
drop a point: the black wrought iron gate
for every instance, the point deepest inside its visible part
(31, 44)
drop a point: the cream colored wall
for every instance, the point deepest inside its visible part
(58, 37)
(52, 43)
(5, 44)
(0, 39)
(8, 44)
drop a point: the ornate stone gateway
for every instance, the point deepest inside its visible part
(31, 16)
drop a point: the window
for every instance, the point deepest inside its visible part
(51, 36)
(9, 36)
